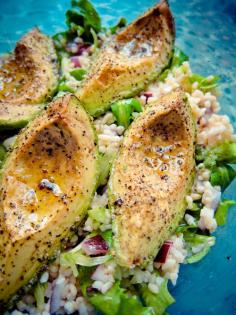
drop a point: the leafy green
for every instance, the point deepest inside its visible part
(177, 60)
(63, 87)
(76, 257)
(121, 23)
(84, 15)
(222, 176)
(78, 74)
(117, 301)
(203, 242)
(105, 163)
(123, 110)
(82, 20)
(98, 214)
(205, 83)
(84, 278)
(198, 256)
(39, 293)
(222, 153)
(185, 227)
(160, 301)
(221, 212)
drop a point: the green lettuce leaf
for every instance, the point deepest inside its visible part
(117, 301)
(160, 301)
(39, 293)
(205, 83)
(222, 176)
(78, 74)
(193, 240)
(222, 210)
(177, 60)
(121, 23)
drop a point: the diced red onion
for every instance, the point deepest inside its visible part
(95, 246)
(148, 94)
(77, 49)
(163, 252)
(75, 61)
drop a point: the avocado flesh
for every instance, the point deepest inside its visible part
(151, 178)
(47, 184)
(130, 61)
(28, 78)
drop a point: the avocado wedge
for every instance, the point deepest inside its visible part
(47, 184)
(150, 179)
(28, 78)
(132, 59)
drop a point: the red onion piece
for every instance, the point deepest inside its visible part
(163, 252)
(77, 49)
(148, 94)
(95, 246)
(75, 61)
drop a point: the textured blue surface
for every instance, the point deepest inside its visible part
(206, 31)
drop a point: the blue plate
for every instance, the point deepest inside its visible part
(206, 31)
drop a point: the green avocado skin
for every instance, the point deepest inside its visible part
(151, 178)
(59, 148)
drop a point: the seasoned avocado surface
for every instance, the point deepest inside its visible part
(28, 78)
(130, 61)
(151, 177)
(47, 183)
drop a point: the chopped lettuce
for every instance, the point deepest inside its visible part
(222, 176)
(160, 301)
(82, 20)
(39, 293)
(220, 154)
(217, 159)
(3, 154)
(117, 301)
(177, 60)
(205, 83)
(98, 214)
(198, 246)
(105, 163)
(121, 23)
(76, 257)
(78, 74)
(221, 213)
(123, 110)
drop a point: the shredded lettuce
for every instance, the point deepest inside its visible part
(121, 23)
(222, 210)
(78, 74)
(123, 110)
(222, 176)
(205, 83)
(217, 159)
(117, 301)
(39, 293)
(98, 214)
(76, 257)
(82, 20)
(105, 163)
(160, 301)
(198, 246)
(224, 153)
(177, 60)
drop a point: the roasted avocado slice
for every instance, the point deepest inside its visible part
(130, 61)
(46, 187)
(28, 78)
(150, 179)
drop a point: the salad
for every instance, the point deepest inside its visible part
(113, 162)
